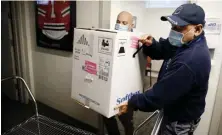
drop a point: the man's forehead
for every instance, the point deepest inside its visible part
(124, 16)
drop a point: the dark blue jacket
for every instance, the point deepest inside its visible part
(182, 83)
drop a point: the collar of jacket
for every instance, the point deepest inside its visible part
(196, 39)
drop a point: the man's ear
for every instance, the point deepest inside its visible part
(198, 30)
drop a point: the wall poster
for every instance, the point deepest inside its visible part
(55, 22)
(213, 26)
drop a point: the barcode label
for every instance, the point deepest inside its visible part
(106, 74)
(104, 66)
(103, 78)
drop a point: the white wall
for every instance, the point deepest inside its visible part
(220, 127)
(104, 14)
(148, 21)
(52, 68)
(216, 120)
(212, 9)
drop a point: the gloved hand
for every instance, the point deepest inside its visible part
(123, 108)
(146, 40)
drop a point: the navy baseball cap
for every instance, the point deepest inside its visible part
(186, 14)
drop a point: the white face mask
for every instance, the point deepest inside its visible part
(56, 35)
(176, 38)
(121, 27)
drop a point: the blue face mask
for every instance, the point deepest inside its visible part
(176, 38)
(121, 27)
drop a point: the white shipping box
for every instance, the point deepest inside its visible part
(104, 72)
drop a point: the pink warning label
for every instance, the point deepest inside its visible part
(134, 43)
(90, 67)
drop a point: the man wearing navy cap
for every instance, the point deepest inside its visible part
(182, 83)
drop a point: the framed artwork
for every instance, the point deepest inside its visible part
(55, 22)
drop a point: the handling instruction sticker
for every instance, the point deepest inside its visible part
(90, 67)
(105, 45)
(122, 47)
(134, 43)
(104, 66)
(85, 45)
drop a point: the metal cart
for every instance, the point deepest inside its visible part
(155, 130)
(157, 125)
(41, 125)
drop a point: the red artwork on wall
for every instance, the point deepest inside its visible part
(55, 23)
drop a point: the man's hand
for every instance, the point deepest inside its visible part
(123, 108)
(146, 40)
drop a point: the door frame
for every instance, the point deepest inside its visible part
(12, 62)
(23, 47)
(216, 120)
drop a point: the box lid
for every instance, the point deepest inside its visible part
(98, 29)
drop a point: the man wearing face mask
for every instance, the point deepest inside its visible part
(183, 78)
(124, 22)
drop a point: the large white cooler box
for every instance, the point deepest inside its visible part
(104, 72)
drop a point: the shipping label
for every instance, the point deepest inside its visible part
(90, 67)
(104, 68)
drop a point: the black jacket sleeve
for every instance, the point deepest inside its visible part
(174, 84)
(159, 50)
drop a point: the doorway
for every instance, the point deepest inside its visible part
(12, 93)
(11, 51)
(8, 65)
